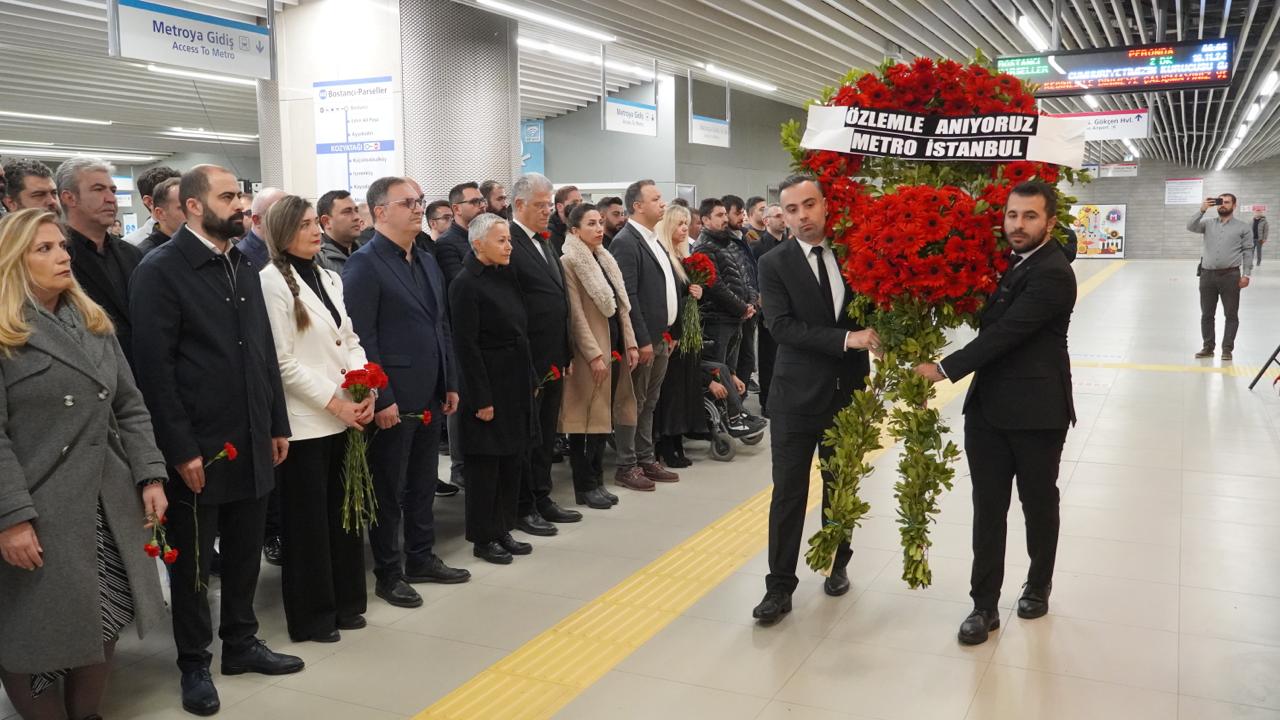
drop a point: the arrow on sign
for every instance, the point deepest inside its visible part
(260, 46)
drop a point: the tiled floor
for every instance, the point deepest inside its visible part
(1166, 602)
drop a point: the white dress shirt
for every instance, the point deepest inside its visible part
(833, 272)
(207, 244)
(664, 261)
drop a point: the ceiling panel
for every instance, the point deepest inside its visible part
(54, 53)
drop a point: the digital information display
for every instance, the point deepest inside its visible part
(1139, 68)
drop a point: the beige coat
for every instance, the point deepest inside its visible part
(588, 408)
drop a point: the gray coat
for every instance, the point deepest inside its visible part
(73, 432)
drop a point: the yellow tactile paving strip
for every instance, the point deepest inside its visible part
(548, 672)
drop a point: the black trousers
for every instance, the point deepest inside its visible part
(273, 526)
(792, 458)
(996, 457)
(535, 475)
(746, 365)
(404, 463)
(766, 350)
(493, 482)
(586, 457)
(324, 578)
(239, 524)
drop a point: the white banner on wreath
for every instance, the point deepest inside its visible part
(979, 138)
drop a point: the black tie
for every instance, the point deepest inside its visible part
(824, 280)
(1014, 259)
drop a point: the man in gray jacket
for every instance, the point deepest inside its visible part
(1259, 235)
(1225, 265)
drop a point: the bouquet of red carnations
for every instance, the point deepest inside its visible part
(701, 271)
(359, 501)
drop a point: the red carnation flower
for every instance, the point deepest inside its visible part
(230, 451)
(152, 550)
(555, 373)
(426, 417)
(170, 556)
(617, 356)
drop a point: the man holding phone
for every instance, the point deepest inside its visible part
(1226, 262)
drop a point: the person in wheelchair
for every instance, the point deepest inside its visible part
(728, 394)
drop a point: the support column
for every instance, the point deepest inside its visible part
(270, 142)
(461, 96)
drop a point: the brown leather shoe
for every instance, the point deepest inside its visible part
(654, 471)
(633, 477)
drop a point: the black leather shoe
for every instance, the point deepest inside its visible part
(613, 499)
(398, 593)
(593, 499)
(556, 514)
(975, 628)
(199, 696)
(332, 636)
(838, 583)
(514, 546)
(444, 489)
(492, 552)
(258, 658)
(1034, 602)
(353, 622)
(435, 571)
(677, 461)
(535, 524)
(771, 609)
(273, 550)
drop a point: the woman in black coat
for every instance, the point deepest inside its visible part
(491, 345)
(679, 408)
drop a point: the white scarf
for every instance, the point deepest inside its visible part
(579, 258)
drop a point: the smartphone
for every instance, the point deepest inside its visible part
(1217, 201)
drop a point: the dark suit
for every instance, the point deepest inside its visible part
(255, 248)
(452, 247)
(105, 279)
(1017, 413)
(813, 379)
(766, 348)
(398, 309)
(206, 365)
(542, 287)
(492, 347)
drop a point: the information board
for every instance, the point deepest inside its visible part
(1164, 66)
(355, 134)
(177, 36)
(1184, 191)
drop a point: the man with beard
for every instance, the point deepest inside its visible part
(566, 197)
(29, 184)
(1226, 261)
(737, 221)
(495, 197)
(615, 216)
(341, 222)
(1018, 409)
(102, 262)
(731, 300)
(206, 365)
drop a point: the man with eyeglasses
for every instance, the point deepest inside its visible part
(394, 292)
(495, 197)
(439, 217)
(464, 205)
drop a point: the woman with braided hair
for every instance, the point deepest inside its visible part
(323, 580)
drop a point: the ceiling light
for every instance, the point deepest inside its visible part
(202, 76)
(539, 18)
(1269, 85)
(1244, 130)
(1222, 161)
(1254, 111)
(54, 118)
(583, 57)
(740, 79)
(1032, 33)
(1091, 101)
(26, 142)
(1235, 144)
(67, 152)
(202, 134)
(1133, 149)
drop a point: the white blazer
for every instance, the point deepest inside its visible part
(313, 361)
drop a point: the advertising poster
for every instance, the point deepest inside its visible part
(532, 147)
(1099, 230)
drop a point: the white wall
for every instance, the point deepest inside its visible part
(1156, 230)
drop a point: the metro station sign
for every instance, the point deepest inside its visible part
(1185, 65)
(183, 38)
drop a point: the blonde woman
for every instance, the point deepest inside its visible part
(679, 408)
(79, 474)
(323, 581)
(598, 392)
